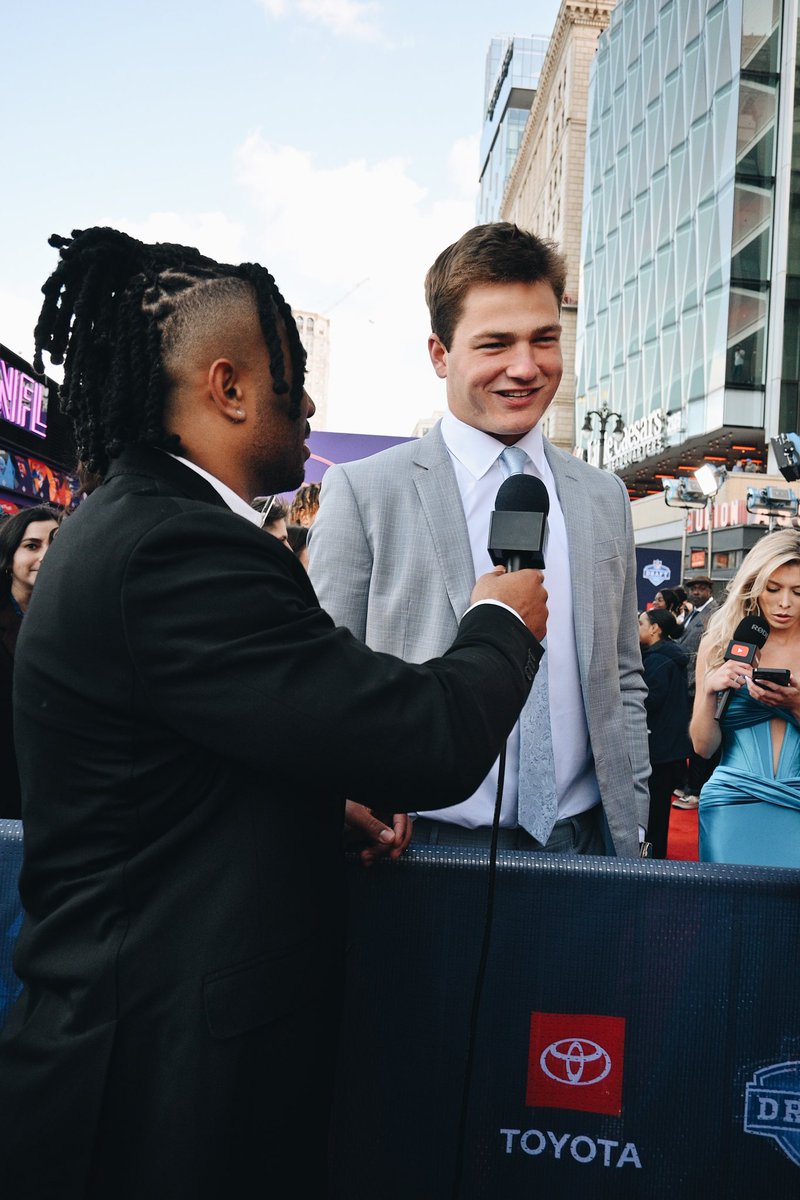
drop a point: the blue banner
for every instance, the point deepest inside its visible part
(655, 569)
(638, 1034)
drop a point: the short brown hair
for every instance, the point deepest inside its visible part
(496, 253)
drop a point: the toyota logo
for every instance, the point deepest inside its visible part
(577, 1062)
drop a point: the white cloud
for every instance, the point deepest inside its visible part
(353, 240)
(357, 239)
(347, 18)
(214, 234)
(19, 313)
(463, 161)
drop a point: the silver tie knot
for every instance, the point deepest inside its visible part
(512, 461)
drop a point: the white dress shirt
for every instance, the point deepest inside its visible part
(474, 456)
(231, 498)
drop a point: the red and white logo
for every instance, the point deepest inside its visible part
(740, 650)
(575, 1061)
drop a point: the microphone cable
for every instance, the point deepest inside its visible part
(480, 975)
(515, 541)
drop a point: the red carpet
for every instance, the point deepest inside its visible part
(682, 836)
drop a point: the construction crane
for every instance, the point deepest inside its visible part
(347, 294)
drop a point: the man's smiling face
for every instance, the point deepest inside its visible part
(504, 364)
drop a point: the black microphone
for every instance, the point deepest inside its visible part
(748, 638)
(519, 523)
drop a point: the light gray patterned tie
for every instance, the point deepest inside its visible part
(512, 461)
(537, 804)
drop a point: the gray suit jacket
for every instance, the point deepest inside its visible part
(391, 560)
(691, 637)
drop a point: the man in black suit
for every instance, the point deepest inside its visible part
(181, 950)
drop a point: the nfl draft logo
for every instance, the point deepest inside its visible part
(772, 1106)
(656, 573)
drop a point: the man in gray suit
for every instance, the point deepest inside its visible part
(401, 536)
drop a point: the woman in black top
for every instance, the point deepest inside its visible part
(24, 540)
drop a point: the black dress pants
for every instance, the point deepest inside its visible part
(664, 778)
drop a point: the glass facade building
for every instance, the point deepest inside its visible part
(689, 318)
(789, 414)
(513, 65)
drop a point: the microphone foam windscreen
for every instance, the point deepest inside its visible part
(754, 631)
(522, 493)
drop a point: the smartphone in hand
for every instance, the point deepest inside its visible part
(778, 675)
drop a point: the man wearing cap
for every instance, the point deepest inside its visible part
(694, 626)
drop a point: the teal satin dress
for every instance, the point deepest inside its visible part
(748, 814)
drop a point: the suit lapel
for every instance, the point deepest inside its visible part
(439, 498)
(156, 464)
(577, 519)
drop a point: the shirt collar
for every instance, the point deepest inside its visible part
(478, 451)
(230, 497)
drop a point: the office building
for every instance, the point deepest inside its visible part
(544, 192)
(314, 333)
(690, 302)
(512, 71)
(688, 323)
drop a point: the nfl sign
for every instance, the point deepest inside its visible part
(655, 569)
(657, 573)
(772, 1106)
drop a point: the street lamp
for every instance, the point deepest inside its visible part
(683, 493)
(604, 415)
(774, 501)
(710, 479)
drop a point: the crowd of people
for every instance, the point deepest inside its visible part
(290, 523)
(736, 760)
(750, 804)
(182, 947)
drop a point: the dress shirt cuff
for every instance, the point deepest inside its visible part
(499, 604)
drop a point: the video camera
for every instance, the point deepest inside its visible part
(786, 448)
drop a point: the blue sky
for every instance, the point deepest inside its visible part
(336, 141)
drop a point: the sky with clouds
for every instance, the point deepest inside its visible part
(335, 141)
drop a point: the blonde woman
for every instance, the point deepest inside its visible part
(750, 807)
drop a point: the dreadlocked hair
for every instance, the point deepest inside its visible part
(113, 309)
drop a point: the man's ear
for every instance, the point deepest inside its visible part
(438, 353)
(226, 391)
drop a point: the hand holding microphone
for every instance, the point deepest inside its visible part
(748, 638)
(519, 523)
(523, 591)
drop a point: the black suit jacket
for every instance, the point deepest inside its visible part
(188, 724)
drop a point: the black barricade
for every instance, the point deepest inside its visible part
(10, 910)
(639, 1034)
